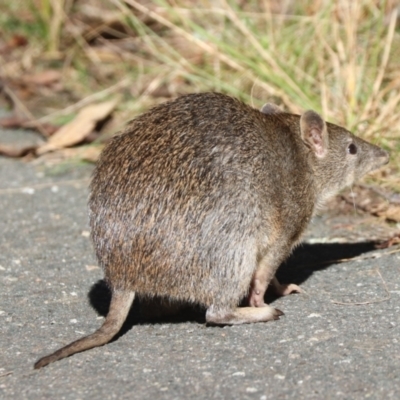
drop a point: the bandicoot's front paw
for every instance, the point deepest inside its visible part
(285, 289)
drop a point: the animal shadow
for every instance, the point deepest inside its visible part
(309, 258)
(145, 310)
(304, 261)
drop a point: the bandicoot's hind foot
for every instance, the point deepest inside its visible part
(285, 289)
(242, 315)
(121, 302)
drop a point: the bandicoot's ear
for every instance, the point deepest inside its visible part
(270, 109)
(314, 133)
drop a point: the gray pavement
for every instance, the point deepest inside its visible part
(339, 340)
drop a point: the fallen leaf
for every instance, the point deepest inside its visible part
(18, 41)
(390, 242)
(44, 78)
(105, 54)
(14, 122)
(44, 128)
(374, 201)
(91, 137)
(79, 128)
(391, 213)
(90, 153)
(16, 152)
(14, 42)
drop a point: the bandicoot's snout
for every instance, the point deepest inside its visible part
(383, 155)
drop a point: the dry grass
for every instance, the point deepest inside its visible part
(340, 58)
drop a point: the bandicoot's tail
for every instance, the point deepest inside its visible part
(119, 308)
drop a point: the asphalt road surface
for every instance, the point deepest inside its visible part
(338, 340)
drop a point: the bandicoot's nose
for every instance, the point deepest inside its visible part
(383, 155)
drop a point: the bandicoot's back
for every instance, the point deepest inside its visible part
(182, 200)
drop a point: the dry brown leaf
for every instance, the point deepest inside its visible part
(45, 78)
(374, 201)
(105, 54)
(16, 121)
(16, 152)
(18, 41)
(392, 213)
(13, 43)
(395, 239)
(90, 153)
(79, 128)
(84, 153)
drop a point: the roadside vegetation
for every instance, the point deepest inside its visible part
(340, 58)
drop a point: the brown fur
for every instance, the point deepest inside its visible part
(201, 199)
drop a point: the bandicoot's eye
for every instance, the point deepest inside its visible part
(352, 149)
